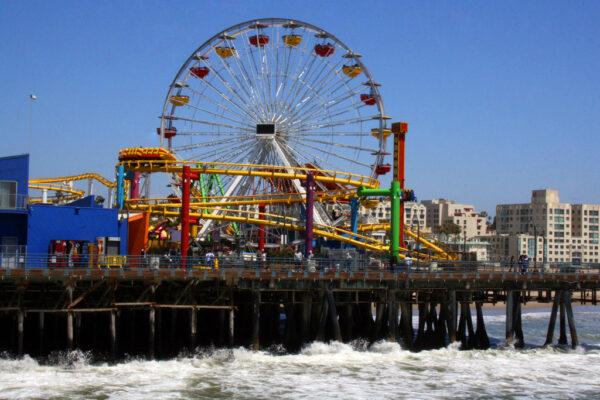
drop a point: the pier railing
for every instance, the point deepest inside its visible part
(235, 261)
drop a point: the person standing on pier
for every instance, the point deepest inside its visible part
(298, 259)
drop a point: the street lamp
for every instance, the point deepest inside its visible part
(415, 220)
(32, 97)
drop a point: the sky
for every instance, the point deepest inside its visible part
(501, 97)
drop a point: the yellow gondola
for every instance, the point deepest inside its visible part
(179, 100)
(225, 52)
(352, 70)
(292, 40)
(376, 133)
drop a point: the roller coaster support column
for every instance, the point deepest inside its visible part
(399, 130)
(185, 212)
(135, 186)
(120, 186)
(354, 203)
(310, 189)
(261, 228)
(395, 195)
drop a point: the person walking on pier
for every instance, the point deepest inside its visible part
(298, 259)
(524, 264)
(209, 258)
(408, 262)
(348, 261)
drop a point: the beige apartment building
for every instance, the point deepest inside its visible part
(564, 232)
(414, 214)
(471, 223)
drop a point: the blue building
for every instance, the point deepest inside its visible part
(40, 229)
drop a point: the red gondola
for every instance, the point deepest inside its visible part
(368, 99)
(259, 40)
(324, 50)
(383, 169)
(169, 132)
(200, 72)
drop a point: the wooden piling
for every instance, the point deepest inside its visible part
(20, 323)
(323, 318)
(483, 341)
(41, 318)
(306, 316)
(231, 327)
(552, 322)
(562, 338)
(569, 309)
(113, 336)
(151, 332)
(392, 317)
(337, 333)
(255, 320)
(193, 328)
(452, 317)
(509, 317)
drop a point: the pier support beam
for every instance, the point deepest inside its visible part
(20, 320)
(392, 317)
(113, 336)
(562, 339)
(482, 339)
(255, 320)
(509, 317)
(452, 317)
(337, 333)
(552, 322)
(42, 318)
(306, 314)
(151, 332)
(573, 331)
(231, 327)
(193, 328)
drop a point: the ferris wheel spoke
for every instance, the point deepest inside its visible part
(217, 114)
(313, 126)
(336, 155)
(308, 61)
(228, 98)
(212, 133)
(317, 108)
(335, 144)
(241, 88)
(311, 88)
(220, 105)
(209, 143)
(199, 121)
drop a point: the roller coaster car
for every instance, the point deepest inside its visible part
(324, 50)
(259, 40)
(200, 72)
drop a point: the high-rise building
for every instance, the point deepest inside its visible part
(568, 232)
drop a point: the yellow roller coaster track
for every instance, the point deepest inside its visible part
(61, 191)
(264, 171)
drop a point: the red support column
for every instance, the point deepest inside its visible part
(399, 130)
(185, 212)
(261, 228)
(135, 186)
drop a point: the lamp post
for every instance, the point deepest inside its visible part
(535, 246)
(416, 221)
(32, 97)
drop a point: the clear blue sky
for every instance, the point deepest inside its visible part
(502, 97)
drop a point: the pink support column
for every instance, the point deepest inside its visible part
(261, 228)
(310, 189)
(185, 213)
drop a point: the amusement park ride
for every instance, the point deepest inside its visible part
(255, 130)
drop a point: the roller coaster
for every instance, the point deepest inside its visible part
(259, 117)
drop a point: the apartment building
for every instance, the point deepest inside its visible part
(440, 210)
(415, 214)
(568, 232)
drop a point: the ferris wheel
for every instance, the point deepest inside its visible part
(275, 92)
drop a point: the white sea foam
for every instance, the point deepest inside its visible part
(382, 370)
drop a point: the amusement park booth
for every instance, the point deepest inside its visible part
(40, 229)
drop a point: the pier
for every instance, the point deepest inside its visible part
(158, 313)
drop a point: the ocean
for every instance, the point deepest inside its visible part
(382, 370)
